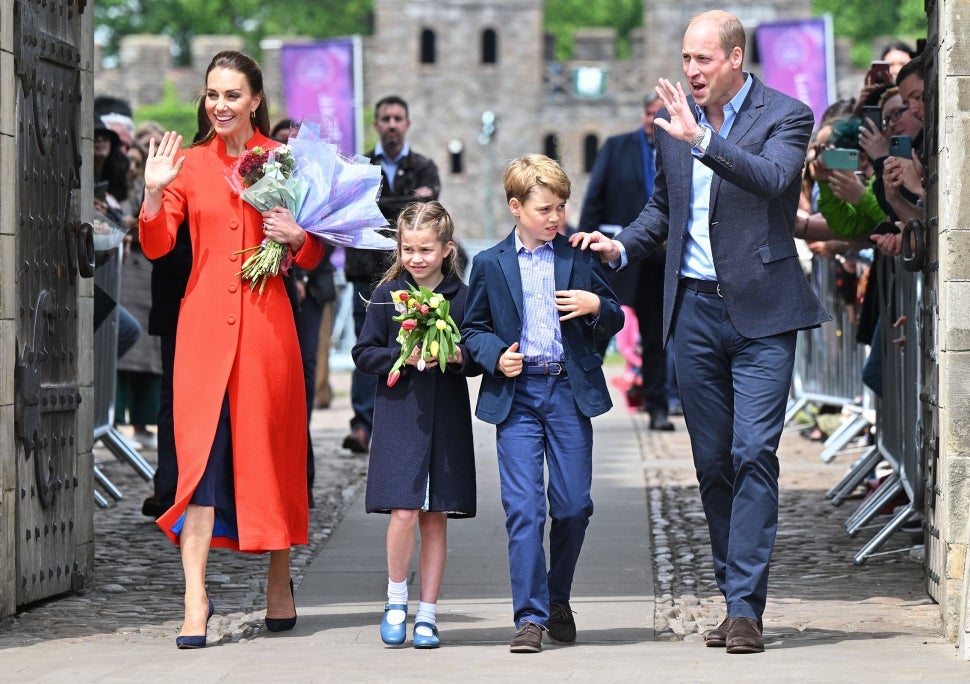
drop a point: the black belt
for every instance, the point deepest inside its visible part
(551, 368)
(702, 286)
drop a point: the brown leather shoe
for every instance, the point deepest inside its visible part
(717, 637)
(744, 636)
(562, 626)
(527, 639)
(357, 441)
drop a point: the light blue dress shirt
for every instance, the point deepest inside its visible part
(388, 165)
(541, 340)
(698, 261)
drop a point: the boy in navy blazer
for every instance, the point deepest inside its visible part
(538, 316)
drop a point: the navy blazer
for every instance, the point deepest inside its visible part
(754, 197)
(493, 322)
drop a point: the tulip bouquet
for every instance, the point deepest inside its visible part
(425, 324)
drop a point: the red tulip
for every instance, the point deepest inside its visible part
(392, 378)
(425, 309)
(404, 296)
(409, 324)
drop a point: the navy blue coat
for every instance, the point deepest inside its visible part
(494, 322)
(422, 425)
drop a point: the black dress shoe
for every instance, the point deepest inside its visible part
(358, 441)
(660, 421)
(744, 636)
(153, 507)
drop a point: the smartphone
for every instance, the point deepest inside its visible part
(100, 189)
(901, 146)
(873, 114)
(840, 158)
(878, 73)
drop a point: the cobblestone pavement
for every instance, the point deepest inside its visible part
(815, 590)
(137, 583)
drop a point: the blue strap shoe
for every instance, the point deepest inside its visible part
(423, 641)
(187, 642)
(393, 635)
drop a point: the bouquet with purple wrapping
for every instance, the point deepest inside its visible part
(329, 195)
(341, 205)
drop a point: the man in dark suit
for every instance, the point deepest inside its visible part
(619, 186)
(729, 163)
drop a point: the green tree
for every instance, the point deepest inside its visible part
(869, 24)
(252, 19)
(563, 17)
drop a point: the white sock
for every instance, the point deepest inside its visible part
(426, 613)
(397, 592)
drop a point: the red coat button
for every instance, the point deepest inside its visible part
(234, 224)
(231, 320)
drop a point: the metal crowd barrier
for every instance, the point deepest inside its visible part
(898, 410)
(828, 371)
(107, 277)
(828, 361)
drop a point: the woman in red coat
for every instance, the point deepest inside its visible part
(239, 406)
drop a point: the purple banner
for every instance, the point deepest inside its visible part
(318, 85)
(797, 59)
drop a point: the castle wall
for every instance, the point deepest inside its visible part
(532, 96)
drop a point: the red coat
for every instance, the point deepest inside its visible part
(236, 341)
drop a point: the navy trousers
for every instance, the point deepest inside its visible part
(734, 392)
(544, 428)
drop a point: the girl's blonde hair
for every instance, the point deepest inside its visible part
(425, 216)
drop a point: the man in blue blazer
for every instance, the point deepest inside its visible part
(729, 162)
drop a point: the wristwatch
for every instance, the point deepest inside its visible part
(698, 137)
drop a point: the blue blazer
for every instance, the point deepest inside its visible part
(754, 197)
(493, 322)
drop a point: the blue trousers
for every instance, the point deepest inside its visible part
(734, 392)
(544, 428)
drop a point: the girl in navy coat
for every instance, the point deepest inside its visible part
(422, 460)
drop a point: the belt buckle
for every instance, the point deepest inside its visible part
(554, 368)
(718, 291)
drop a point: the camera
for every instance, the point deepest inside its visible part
(873, 114)
(100, 190)
(841, 158)
(878, 74)
(901, 146)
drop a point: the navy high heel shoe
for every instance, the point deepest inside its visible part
(282, 624)
(196, 641)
